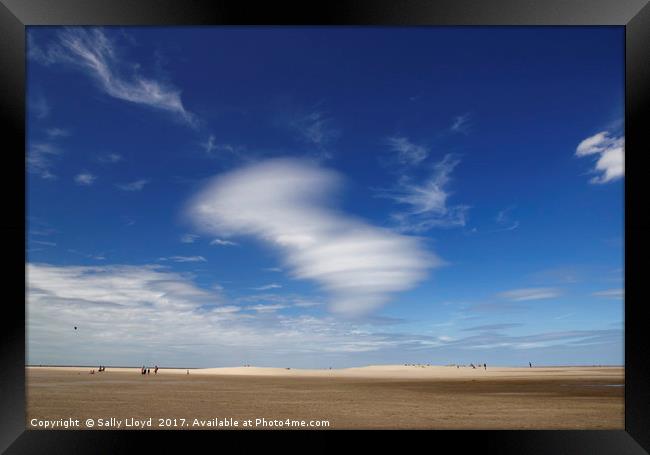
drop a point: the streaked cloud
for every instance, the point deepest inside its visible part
(110, 158)
(285, 203)
(54, 133)
(520, 295)
(610, 151)
(43, 242)
(133, 186)
(189, 238)
(222, 242)
(492, 327)
(95, 53)
(267, 308)
(267, 287)
(184, 259)
(611, 293)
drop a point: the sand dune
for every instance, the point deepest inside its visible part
(382, 371)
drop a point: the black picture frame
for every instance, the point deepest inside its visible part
(634, 15)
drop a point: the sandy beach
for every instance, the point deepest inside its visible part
(373, 397)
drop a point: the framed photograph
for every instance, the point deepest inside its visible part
(318, 217)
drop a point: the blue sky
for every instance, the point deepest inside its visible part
(315, 197)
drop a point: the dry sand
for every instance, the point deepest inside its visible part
(390, 396)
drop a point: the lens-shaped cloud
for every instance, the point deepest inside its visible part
(285, 202)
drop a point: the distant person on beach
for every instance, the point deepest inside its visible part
(148, 371)
(485, 366)
(155, 370)
(530, 365)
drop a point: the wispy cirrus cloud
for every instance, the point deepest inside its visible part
(222, 242)
(610, 151)
(285, 202)
(183, 259)
(110, 158)
(85, 179)
(54, 133)
(492, 327)
(38, 106)
(461, 124)
(95, 53)
(315, 128)
(618, 293)
(524, 294)
(426, 201)
(408, 153)
(137, 185)
(189, 238)
(267, 308)
(40, 159)
(268, 287)
(505, 220)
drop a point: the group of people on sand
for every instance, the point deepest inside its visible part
(99, 370)
(146, 370)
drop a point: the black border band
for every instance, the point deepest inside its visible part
(634, 14)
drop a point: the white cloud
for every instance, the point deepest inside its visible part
(407, 152)
(519, 295)
(185, 259)
(135, 314)
(314, 127)
(39, 159)
(267, 308)
(460, 124)
(43, 242)
(268, 286)
(38, 106)
(611, 155)
(427, 201)
(611, 293)
(57, 132)
(130, 314)
(284, 202)
(110, 158)
(222, 242)
(91, 50)
(209, 144)
(214, 150)
(85, 179)
(189, 238)
(504, 219)
(133, 186)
